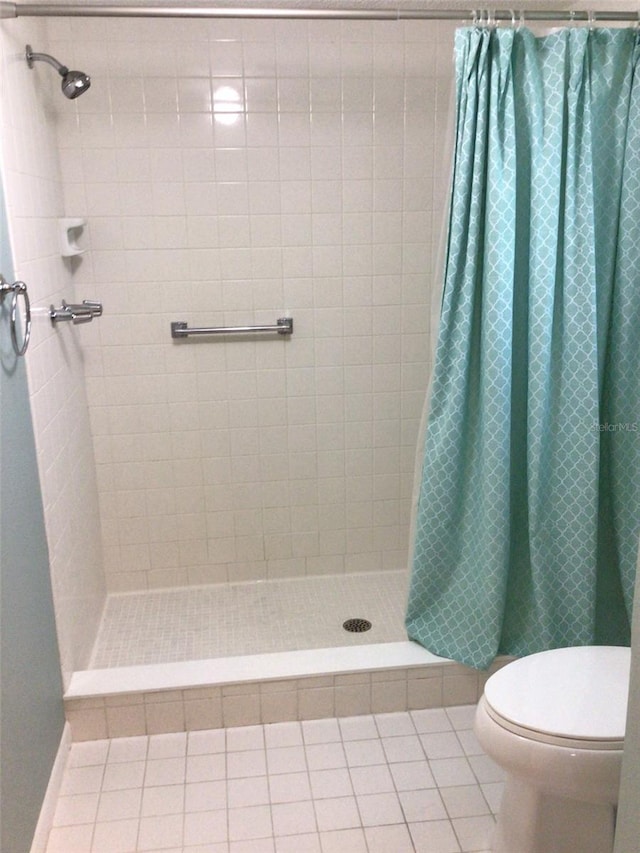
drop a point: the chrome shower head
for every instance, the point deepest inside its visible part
(74, 83)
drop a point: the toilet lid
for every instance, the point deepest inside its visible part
(579, 692)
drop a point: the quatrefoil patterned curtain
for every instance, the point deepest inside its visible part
(528, 516)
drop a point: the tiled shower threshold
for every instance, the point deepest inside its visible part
(256, 653)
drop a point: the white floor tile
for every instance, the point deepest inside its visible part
(361, 753)
(380, 809)
(253, 791)
(434, 836)
(165, 771)
(82, 780)
(283, 734)
(325, 756)
(88, 753)
(493, 794)
(115, 836)
(167, 745)
(470, 742)
(341, 841)
(372, 780)
(252, 845)
(207, 741)
(128, 749)
(431, 720)
(250, 822)
(118, 805)
(286, 759)
(160, 831)
(250, 763)
(207, 768)
(242, 738)
(321, 731)
(62, 839)
(465, 801)
(307, 843)
(330, 783)
(422, 805)
(461, 716)
(394, 838)
(75, 809)
(474, 833)
(293, 818)
(441, 745)
(165, 799)
(394, 724)
(289, 787)
(337, 813)
(485, 769)
(402, 748)
(127, 774)
(410, 775)
(452, 771)
(358, 728)
(354, 785)
(205, 827)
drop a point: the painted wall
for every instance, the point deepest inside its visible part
(234, 172)
(31, 714)
(34, 198)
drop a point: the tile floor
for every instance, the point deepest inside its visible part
(386, 783)
(278, 615)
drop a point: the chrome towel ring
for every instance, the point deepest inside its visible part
(18, 288)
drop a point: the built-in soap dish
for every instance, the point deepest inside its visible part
(70, 230)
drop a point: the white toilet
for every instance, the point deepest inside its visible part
(555, 723)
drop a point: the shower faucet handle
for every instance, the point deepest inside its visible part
(94, 305)
(76, 314)
(88, 308)
(78, 317)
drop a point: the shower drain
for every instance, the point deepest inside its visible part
(356, 626)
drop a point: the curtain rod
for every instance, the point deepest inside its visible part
(82, 10)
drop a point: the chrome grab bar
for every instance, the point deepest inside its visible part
(76, 314)
(180, 329)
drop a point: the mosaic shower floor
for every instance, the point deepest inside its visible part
(213, 621)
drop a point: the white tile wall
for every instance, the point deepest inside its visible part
(34, 196)
(233, 172)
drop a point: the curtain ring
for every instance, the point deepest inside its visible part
(591, 17)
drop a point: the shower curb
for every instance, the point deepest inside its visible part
(271, 688)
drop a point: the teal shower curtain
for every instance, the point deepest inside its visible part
(528, 515)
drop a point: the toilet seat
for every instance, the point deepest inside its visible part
(574, 697)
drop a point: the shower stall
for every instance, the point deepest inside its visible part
(218, 506)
